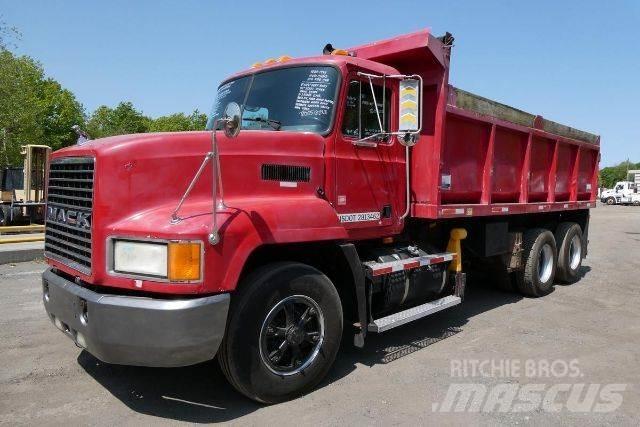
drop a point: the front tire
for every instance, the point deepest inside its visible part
(611, 201)
(283, 333)
(540, 255)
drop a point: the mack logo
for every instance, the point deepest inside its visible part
(70, 217)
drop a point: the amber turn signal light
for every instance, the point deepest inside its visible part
(184, 261)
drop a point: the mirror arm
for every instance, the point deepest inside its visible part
(214, 237)
(174, 216)
(384, 101)
(370, 77)
(413, 133)
(375, 104)
(407, 172)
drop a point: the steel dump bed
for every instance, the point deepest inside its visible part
(480, 157)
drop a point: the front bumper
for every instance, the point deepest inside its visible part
(130, 330)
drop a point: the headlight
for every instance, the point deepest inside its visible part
(149, 259)
(175, 261)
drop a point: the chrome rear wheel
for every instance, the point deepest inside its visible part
(575, 252)
(545, 263)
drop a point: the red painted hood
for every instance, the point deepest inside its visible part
(135, 173)
(139, 180)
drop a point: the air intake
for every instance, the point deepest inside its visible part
(286, 173)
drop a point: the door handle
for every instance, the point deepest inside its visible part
(369, 144)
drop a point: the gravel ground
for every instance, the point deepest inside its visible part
(401, 377)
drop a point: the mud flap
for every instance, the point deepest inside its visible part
(459, 283)
(355, 265)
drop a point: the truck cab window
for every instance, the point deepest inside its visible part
(360, 118)
(290, 99)
(232, 91)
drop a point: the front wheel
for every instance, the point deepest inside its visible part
(283, 334)
(611, 201)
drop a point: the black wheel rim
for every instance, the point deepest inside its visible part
(291, 335)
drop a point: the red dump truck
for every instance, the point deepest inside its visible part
(337, 195)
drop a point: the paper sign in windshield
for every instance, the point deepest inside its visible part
(313, 97)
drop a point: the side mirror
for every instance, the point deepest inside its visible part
(409, 112)
(232, 117)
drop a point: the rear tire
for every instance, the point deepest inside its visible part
(540, 256)
(570, 251)
(263, 355)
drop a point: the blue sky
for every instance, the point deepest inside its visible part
(576, 62)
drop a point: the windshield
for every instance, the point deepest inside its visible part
(296, 99)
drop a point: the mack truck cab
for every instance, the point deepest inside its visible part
(336, 195)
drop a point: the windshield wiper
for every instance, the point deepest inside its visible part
(275, 124)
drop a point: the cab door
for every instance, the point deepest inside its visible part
(369, 178)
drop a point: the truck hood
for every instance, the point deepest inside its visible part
(143, 172)
(140, 179)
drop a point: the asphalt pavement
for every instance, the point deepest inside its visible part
(574, 355)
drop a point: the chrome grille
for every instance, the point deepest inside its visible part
(69, 208)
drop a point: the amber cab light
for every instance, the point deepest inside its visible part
(184, 261)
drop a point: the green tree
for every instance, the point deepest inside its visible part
(179, 122)
(124, 119)
(60, 112)
(33, 109)
(612, 174)
(8, 34)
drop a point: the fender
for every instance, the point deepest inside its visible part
(249, 224)
(245, 225)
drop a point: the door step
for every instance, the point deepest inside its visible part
(414, 313)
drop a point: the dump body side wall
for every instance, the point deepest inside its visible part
(478, 157)
(489, 166)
